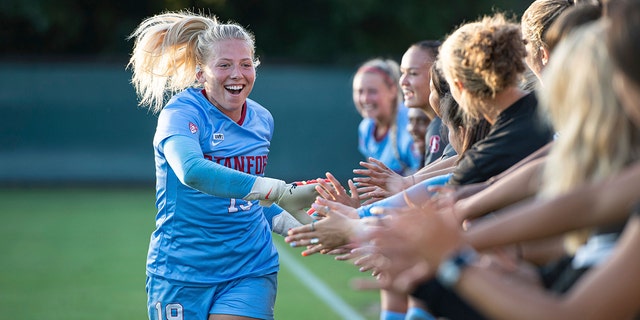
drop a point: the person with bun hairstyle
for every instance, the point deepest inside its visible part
(211, 255)
(483, 62)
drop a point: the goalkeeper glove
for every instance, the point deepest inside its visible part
(292, 197)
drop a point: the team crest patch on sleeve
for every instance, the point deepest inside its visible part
(192, 127)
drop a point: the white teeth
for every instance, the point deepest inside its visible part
(238, 87)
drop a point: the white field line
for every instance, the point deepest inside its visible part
(318, 287)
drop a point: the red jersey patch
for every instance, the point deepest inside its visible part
(192, 127)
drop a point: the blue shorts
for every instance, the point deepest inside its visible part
(247, 297)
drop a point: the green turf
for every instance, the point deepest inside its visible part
(80, 254)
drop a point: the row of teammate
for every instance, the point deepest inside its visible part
(532, 221)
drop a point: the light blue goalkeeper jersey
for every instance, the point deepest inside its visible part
(201, 238)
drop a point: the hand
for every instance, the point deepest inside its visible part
(333, 231)
(445, 196)
(331, 189)
(411, 244)
(372, 194)
(340, 252)
(322, 206)
(376, 174)
(345, 252)
(402, 278)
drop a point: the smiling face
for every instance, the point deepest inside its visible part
(373, 97)
(228, 76)
(415, 67)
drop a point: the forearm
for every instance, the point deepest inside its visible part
(442, 164)
(422, 176)
(468, 190)
(435, 166)
(616, 280)
(538, 154)
(416, 194)
(192, 169)
(499, 298)
(280, 220)
(606, 202)
(519, 185)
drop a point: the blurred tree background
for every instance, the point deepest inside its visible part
(68, 112)
(291, 31)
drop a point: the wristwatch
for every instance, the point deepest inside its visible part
(450, 269)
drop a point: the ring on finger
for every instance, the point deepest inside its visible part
(313, 227)
(327, 209)
(314, 240)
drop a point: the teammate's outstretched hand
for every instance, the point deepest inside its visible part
(333, 190)
(376, 173)
(331, 232)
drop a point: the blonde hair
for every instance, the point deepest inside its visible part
(486, 56)
(596, 138)
(170, 47)
(537, 19)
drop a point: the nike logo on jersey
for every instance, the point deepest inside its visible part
(268, 193)
(217, 139)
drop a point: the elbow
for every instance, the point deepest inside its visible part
(191, 179)
(189, 175)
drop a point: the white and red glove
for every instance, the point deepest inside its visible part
(292, 197)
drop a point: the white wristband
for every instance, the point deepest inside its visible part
(266, 189)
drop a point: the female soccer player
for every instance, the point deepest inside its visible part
(211, 255)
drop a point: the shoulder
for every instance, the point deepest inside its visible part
(187, 101)
(258, 109)
(434, 127)
(524, 106)
(366, 123)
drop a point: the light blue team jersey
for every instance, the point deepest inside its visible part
(200, 238)
(399, 157)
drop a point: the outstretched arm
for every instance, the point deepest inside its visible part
(519, 185)
(601, 203)
(436, 169)
(184, 155)
(414, 196)
(414, 246)
(607, 292)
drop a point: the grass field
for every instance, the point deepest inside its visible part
(80, 254)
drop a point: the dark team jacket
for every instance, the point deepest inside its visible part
(518, 131)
